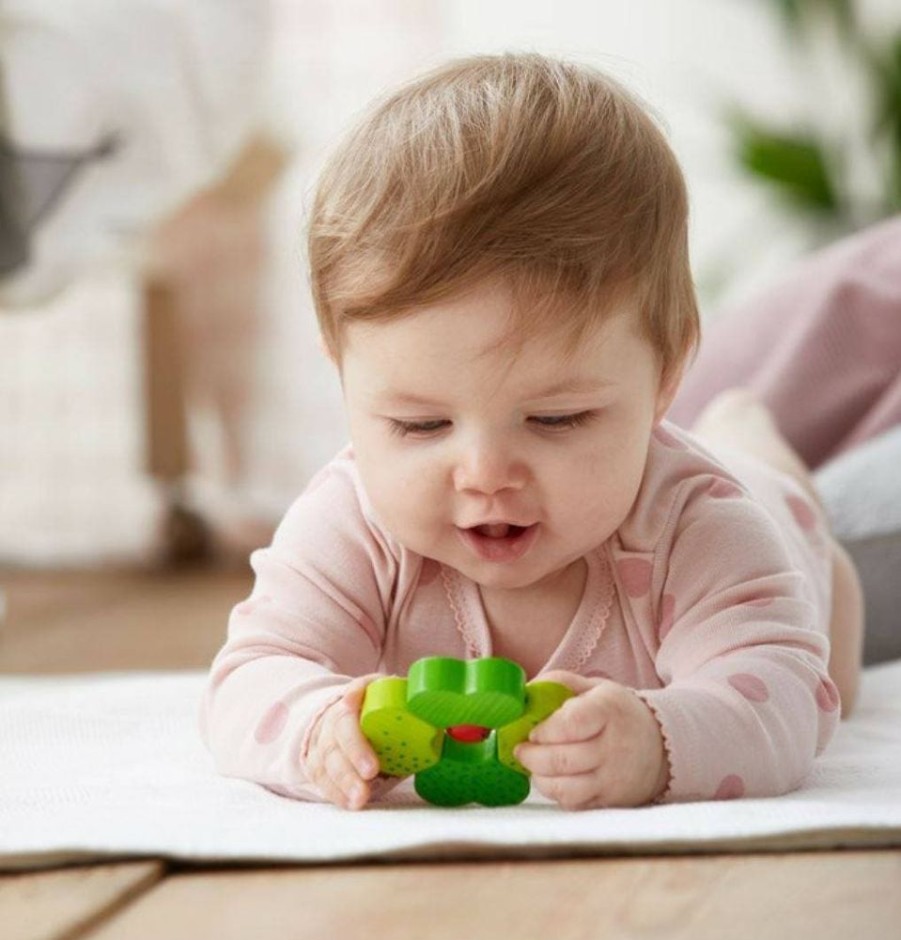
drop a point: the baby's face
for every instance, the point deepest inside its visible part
(508, 467)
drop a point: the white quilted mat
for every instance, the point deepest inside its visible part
(111, 765)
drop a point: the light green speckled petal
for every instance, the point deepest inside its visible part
(542, 700)
(403, 743)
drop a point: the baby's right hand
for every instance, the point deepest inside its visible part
(340, 761)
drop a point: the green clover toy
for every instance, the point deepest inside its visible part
(454, 723)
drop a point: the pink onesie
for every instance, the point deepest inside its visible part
(711, 601)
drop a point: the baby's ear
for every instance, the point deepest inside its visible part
(324, 349)
(670, 380)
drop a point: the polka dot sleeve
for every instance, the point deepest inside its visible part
(315, 619)
(746, 702)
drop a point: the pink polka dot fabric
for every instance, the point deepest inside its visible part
(731, 787)
(827, 696)
(724, 489)
(802, 512)
(752, 688)
(667, 615)
(635, 575)
(319, 480)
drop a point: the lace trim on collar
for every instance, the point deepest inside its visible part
(460, 608)
(577, 652)
(579, 642)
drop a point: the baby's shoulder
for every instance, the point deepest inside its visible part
(681, 477)
(339, 478)
(334, 506)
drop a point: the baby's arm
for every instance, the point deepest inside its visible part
(313, 624)
(747, 701)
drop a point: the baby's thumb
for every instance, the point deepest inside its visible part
(356, 691)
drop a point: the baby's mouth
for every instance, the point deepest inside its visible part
(499, 541)
(499, 530)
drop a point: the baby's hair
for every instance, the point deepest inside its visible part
(544, 173)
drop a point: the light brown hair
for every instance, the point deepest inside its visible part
(546, 173)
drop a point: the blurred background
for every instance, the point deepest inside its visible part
(162, 394)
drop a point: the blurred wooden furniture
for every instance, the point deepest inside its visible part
(128, 620)
(185, 256)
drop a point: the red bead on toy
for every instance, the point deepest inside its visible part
(468, 734)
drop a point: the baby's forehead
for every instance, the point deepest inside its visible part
(393, 367)
(489, 324)
(483, 343)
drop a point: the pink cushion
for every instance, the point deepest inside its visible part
(822, 347)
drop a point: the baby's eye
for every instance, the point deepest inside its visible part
(418, 428)
(563, 422)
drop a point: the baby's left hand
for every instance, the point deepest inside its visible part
(601, 748)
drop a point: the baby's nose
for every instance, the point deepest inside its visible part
(489, 468)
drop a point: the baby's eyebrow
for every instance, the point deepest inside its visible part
(573, 386)
(406, 398)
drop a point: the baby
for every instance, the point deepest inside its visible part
(500, 270)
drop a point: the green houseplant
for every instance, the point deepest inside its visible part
(812, 169)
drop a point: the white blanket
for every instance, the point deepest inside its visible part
(111, 766)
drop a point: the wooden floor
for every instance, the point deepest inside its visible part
(70, 622)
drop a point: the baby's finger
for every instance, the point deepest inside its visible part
(578, 719)
(354, 745)
(318, 775)
(578, 791)
(344, 777)
(347, 728)
(559, 760)
(329, 791)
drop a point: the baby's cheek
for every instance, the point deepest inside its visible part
(411, 511)
(609, 482)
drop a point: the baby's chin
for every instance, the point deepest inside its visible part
(519, 576)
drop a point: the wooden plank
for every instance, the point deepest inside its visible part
(827, 895)
(118, 620)
(52, 905)
(34, 597)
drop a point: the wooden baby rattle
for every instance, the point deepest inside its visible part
(454, 723)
